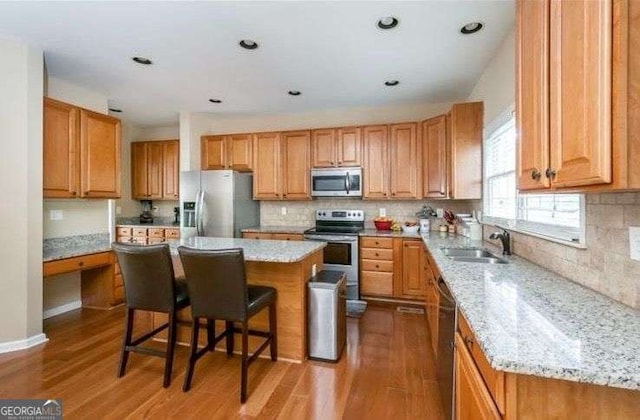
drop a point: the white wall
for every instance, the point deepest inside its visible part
(21, 87)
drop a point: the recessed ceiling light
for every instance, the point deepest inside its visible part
(391, 83)
(215, 101)
(248, 44)
(142, 60)
(115, 110)
(471, 28)
(294, 92)
(387, 22)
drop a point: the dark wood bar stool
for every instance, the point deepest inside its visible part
(218, 288)
(150, 285)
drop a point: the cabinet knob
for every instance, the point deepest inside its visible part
(377, 266)
(81, 263)
(468, 342)
(377, 254)
(536, 175)
(332, 162)
(74, 193)
(550, 173)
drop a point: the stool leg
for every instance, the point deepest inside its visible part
(245, 362)
(229, 334)
(126, 341)
(211, 334)
(273, 332)
(192, 355)
(171, 346)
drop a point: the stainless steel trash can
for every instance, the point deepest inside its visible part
(327, 317)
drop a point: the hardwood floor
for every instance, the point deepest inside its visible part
(387, 371)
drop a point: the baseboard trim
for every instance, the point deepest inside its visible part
(23, 344)
(71, 306)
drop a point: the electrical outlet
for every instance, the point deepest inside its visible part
(634, 243)
(382, 212)
(56, 215)
(283, 211)
(155, 209)
(439, 213)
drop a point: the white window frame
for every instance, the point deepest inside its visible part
(551, 233)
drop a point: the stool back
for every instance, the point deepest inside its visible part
(147, 273)
(217, 283)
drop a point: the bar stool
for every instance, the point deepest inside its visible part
(218, 288)
(150, 285)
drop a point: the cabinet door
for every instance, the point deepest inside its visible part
(139, 179)
(349, 146)
(323, 147)
(376, 161)
(466, 150)
(100, 155)
(213, 154)
(171, 173)
(434, 157)
(412, 279)
(532, 94)
(155, 161)
(404, 160)
(580, 92)
(240, 152)
(296, 150)
(61, 163)
(266, 168)
(472, 398)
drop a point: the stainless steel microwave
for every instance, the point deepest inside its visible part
(336, 182)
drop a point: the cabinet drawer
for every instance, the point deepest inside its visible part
(69, 265)
(376, 254)
(123, 231)
(139, 232)
(140, 240)
(257, 235)
(117, 280)
(493, 378)
(376, 284)
(377, 265)
(286, 237)
(155, 233)
(154, 241)
(374, 242)
(172, 233)
(124, 239)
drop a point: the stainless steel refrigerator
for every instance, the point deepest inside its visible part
(216, 203)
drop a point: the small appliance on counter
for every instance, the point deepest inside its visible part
(146, 216)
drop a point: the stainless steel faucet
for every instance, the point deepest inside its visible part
(505, 238)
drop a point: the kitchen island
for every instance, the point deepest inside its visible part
(284, 265)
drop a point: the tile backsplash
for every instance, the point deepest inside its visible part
(605, 266)
(301, 213)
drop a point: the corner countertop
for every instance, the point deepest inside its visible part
(255, 250)
(531, 321)
(74, 246)
(294, 230)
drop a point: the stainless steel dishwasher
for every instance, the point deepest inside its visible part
(327, 315)
(446, 335)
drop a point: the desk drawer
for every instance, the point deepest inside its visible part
(155, 233)
(154, 241)
(123, 231)
(172, 233)
(376, 254)
(374, 242)
(139, 232)
(83, 262)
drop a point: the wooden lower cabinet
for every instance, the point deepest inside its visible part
(390, 268)
(276, 236)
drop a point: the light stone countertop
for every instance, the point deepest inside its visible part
(74, 246)
(529, 320)
(255, 250)
(388, 234)
(158, 222)
(295, 230)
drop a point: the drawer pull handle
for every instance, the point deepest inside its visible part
(468, 342)
(377, 255)
(377, 266)
(80, 264)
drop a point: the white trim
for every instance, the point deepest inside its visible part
(67, 307)
(23, 344)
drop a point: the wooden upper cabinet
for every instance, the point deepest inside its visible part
(404, 157)
(349, 146)
(375, 169)
(434, 157)
(580, 92)
(323, 146)
(100, 155)
(171, 170)
(233, 151)
(532, 105)
(61, 163)
(465, 131)
(296, 151)
(139, 179)
(266, 167)
(155, 169)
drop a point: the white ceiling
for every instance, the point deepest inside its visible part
(331, 51)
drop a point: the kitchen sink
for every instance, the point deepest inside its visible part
(476, 255)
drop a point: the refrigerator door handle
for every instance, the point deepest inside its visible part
(202, 210)
(198, 212)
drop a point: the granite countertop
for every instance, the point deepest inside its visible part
(255, 250)
(529, 320)
(388, 233)
(73, 246)
(158, 222)
(277, 229)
